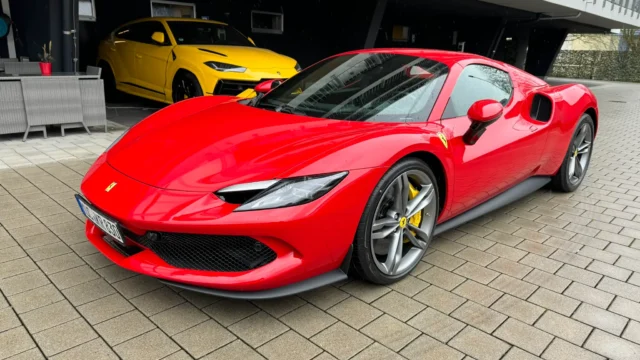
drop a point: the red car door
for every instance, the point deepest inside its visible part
(507, 153)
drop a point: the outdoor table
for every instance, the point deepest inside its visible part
(77, 75)
(31, 102)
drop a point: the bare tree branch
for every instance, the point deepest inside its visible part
(631, 38)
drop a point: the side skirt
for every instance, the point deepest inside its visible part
(517, 192)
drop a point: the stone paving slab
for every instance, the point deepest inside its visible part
(553, 276)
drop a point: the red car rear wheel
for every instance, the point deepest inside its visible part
(576, 162)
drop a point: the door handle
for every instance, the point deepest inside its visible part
(533, 128)
(112, 49)
(139, 56)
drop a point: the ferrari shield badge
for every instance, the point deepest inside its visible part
(111, 186)
(443, 139)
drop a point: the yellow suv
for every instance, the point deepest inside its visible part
(170, 59)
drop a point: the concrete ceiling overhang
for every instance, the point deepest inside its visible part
(599, 13)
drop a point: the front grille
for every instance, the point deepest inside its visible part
(233, 87)
(209, 252)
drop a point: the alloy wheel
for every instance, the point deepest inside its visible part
(580, 154)
(403, 223)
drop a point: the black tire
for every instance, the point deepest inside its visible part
(363, 253)
(185, 86)
(561, 181)
(111, 92)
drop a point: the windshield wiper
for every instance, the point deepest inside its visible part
(288, 109)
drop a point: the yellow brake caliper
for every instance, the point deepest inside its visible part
(417, 218)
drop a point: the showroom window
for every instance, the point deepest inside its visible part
(87, 10)
(162, 8)
(267, 22)
(478, 82)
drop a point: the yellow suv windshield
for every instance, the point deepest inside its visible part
(206, 33)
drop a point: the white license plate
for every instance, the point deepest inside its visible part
(108, 226)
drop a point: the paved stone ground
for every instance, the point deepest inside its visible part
(555, 276)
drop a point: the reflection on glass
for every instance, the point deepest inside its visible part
(362, 87)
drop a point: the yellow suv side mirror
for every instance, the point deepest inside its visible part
(158, 37)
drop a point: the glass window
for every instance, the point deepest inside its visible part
(206, 33)
(124, 33)
(86, 10)
(478, 82)
(142, 31)
(160, 8)
(362, 87)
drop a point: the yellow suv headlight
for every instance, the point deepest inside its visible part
(224, 67)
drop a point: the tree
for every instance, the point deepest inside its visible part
(604, 56)
(632, 38)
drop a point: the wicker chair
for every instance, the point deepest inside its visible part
(6, 60)
(50, 101)
(94, 70)
(22, 68)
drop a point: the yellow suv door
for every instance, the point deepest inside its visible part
(151, 56)
(120, 51)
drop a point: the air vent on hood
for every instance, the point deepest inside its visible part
(212, 52)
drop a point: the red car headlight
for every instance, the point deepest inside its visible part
(274, 194)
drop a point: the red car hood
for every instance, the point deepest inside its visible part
(226, 144)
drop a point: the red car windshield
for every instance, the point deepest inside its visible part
(378, 87)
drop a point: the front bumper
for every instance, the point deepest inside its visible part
(233, 84)
(311, 241)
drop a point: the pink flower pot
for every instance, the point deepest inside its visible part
(45, 68)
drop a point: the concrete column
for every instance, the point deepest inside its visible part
(522, 47)
(68, 25)
(558, 46)
(497, 38)
(55, 33)
(376, 21)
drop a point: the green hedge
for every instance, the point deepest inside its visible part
(598, 65)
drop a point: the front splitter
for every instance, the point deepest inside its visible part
(312, 283)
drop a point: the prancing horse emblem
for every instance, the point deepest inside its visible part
(111, 186)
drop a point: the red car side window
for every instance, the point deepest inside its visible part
(478, 82)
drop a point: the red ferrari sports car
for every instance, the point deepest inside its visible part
(349, 167)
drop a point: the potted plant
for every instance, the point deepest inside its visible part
(46, 59)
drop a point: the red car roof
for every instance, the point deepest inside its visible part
(451, 58)
(446, 57)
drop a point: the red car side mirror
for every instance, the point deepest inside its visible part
(485, 111)
(266, 86)
(482, 114)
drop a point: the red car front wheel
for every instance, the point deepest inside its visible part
(397, 225)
